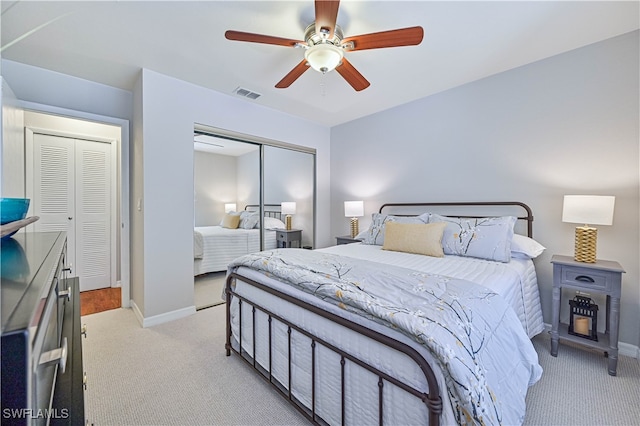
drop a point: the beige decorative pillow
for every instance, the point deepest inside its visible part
(419, 238)
(231, 221)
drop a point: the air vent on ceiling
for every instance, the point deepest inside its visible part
(246, 93)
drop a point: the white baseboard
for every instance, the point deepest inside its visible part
(625, 349)
(162, 318)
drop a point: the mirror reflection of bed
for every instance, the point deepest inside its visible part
(237, 234)
(227, 182)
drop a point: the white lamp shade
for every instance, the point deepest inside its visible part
(288, 207)
(588, 209)
(324, 57)
(229, 207)
(353, 208)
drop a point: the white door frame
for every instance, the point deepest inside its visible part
(28, 136)
(124, 226)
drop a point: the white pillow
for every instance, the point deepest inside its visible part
(272, 223)
(525, 248)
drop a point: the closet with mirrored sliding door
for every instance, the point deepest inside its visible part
(269, 184)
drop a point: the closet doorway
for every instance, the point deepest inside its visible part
(71, 179)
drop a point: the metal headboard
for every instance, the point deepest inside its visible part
(270, 210)
(528, 216)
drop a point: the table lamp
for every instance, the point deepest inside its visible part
(229, 207)
(288, 208)
(354, 209)
(589, 210)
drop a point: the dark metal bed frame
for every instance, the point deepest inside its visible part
(515, 204)
(270, 210)
(432, 399)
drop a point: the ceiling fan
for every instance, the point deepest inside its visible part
(325, 45)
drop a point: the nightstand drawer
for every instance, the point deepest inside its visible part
(587, 278)
(285, 237)
(603, 277)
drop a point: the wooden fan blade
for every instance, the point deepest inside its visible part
(393, 38)
(259, 38)
(293, 75)
(326, 15)
(353, 77)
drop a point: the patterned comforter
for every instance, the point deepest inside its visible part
(487, 359)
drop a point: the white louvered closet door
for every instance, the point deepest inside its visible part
(72, 192)
(93, 207)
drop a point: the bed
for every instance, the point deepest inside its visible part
(370, 334)
(214, 247)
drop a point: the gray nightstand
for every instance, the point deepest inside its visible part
(602, 277)
(346, 239)
(285, 237)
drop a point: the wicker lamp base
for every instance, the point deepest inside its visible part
(287, 222)
(585, 245)
(354, 227)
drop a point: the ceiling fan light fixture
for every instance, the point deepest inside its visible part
(324, 57)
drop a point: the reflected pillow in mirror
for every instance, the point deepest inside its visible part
(230, 221)
(248, 220)
(272, 223)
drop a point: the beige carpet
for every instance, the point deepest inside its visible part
(177, 374)
(173, 374)
(576, 389)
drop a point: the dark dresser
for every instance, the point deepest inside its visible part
(42, 372)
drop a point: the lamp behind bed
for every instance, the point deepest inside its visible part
(588, 210)
(354, 210)
(288, 208)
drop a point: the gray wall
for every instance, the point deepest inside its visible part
(214, 184)
(12, 153)
(288, 176)
(564, 125)
(162, 112)
(46, 87)
(170, 108)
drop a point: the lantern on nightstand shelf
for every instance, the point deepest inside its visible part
(583, 318)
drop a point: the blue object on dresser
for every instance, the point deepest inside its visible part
(12, 209)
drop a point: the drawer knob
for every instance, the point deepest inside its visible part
(585, 279)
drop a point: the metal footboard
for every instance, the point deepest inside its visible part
(432, 399)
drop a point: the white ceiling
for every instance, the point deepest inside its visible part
(221, 146)
(110, 41)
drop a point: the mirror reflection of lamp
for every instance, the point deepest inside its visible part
(288, 208)
(354, 210)
(589, 210)
(229, 207)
